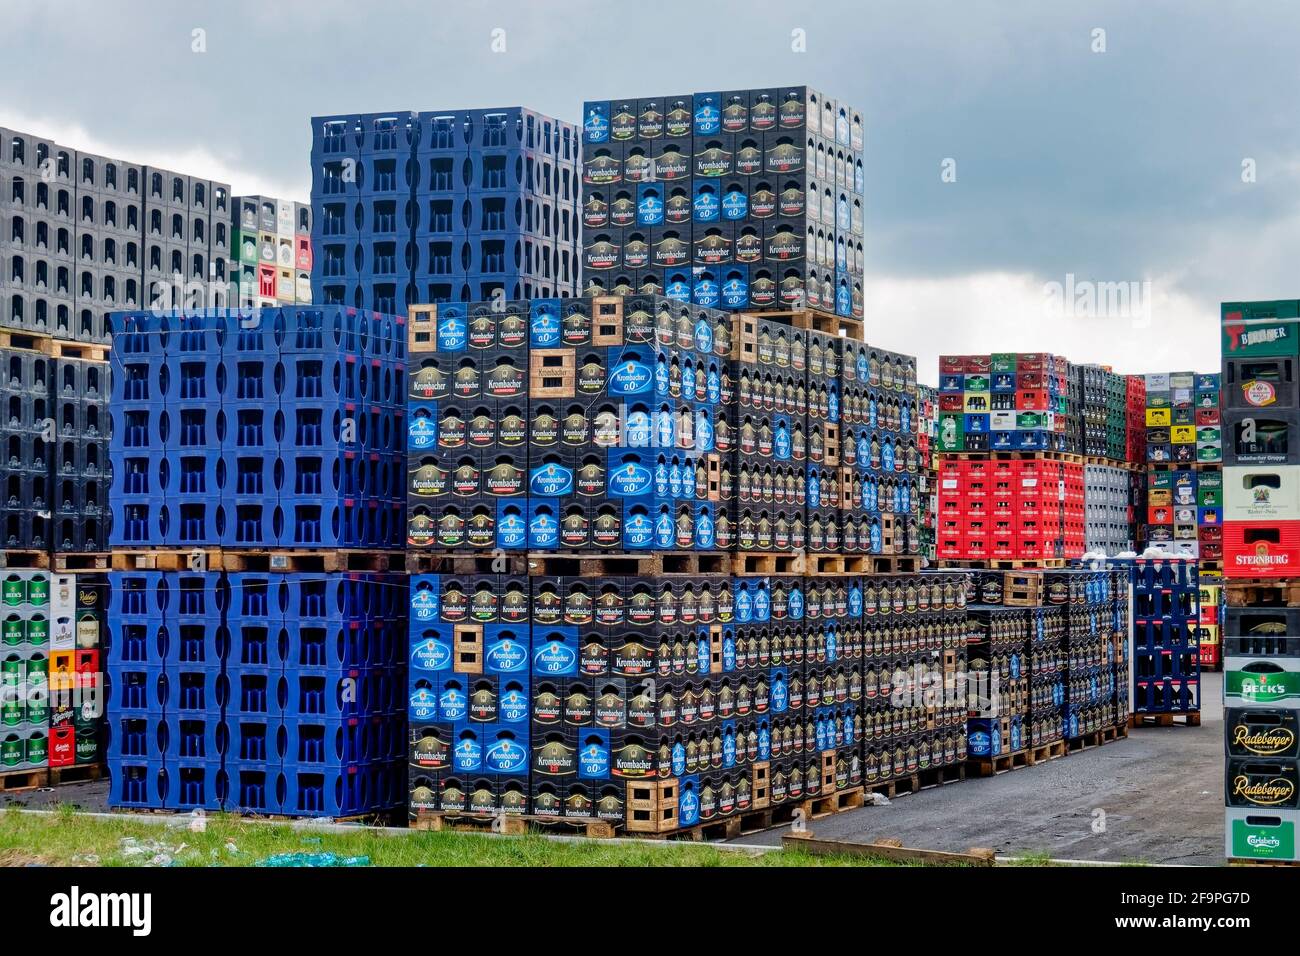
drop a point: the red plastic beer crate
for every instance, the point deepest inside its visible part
(1261, 549)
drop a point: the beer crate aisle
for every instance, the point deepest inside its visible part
(1261, 617)
(256, 658)
(656, 705)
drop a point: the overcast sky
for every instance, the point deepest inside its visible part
(1108, 141)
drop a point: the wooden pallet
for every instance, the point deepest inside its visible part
(167, 560)
(836, 801)
(76, 773)
(448, 562)
(52, 347)
(99, 561)
(1111, 463)
(818, 563)
(1002, 564)
(24, 559)
(647, 564)
(514, 824)
(259, 561)
(899, 785)
(1076, 745)
(817, 320)
(14, 780)
(1045, 752)
(314, 561)
(748, 563)
(1238, 593)
(1017, 759)
(887, 849)
(890, 564)
(1186, 718)
(991, 455)
(942, 775)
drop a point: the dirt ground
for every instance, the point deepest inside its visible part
(1156, 797)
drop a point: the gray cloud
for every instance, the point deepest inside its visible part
(1122, 165)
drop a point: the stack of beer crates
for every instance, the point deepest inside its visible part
(1166, 631)
(1261, 545)
(1050, 660)
(53, 518)
(642, 517)
(1108, 474)
(257, 652)
(654, 704)
(1184, 455)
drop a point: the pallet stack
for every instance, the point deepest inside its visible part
(1261, 545)
(256, 656)
(1010, 476)
(1166, 634)
(1184, 455)
(69, 219)
(624, 426)
(1049, 651)
(1209, 628)
(653, 480)
(740, 199)
(272, 256)
(927, 403)
(657, 705)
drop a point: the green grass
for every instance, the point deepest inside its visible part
(67, 838)
(1042, 858)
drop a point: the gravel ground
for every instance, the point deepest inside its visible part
(1159, 792)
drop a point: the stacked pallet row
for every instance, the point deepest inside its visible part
(880, 444)
(1048, 656)
(248, 670)
(656, 704)
(1261, 551)
(641, 424)
(1027, 402)
(578, 426)
(53, 517)
(1026, 508)
(1010, 475)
